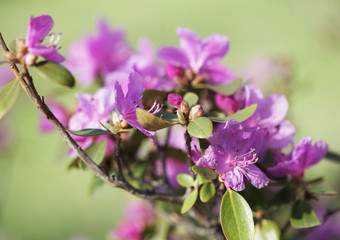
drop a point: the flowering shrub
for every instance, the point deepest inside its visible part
(182, 131)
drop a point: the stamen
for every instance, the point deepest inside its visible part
(244, 159)
(58, 38)
(156, 105)
(52, 35)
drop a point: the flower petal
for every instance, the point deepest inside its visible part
(173, 56)
(255, 176)
(49, 53)
(38, 29)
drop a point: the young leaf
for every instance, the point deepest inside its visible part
(321, 190)
(55, 73)
(201, 127)
(267, 230)
(95, 184)
(236, 217)
(239, 116)
(189, 201)
(89, 132)
(8, 95)
(227, 89)
(204, 172)
(96, 152)
(185, 180)
(303, 216)
(207, 192)
(191, 98)
(151, 122)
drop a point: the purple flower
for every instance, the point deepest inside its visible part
(200, 56)
(232, 155)
(304, 155)
(138, 216)
(59, 111)
(92, 109)
(173, 168)
(38, 29)
(270, 116)
(128, 99)
(6, 75)
(98, 55)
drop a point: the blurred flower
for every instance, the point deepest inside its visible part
(6, 75)
(59, 111)
(92, 109)
(197, 59)
(232, 155)
(38, 29)
(137, 216)
(98, 55)
(173, 168)
(175, 100)
(270, 116)
(304, 155)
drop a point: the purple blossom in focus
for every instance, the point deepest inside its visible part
(37, 31)
(304, 155)
(232, 155)
(137, 216)
(127, 100)
(201, 56)
(59, 111)
(98, 55)
(270, 116)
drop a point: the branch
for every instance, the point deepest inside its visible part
(30, 90)
(189, 158)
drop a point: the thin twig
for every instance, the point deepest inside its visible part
(189, 157)
(162, 155)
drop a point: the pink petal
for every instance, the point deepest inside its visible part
(38, 29)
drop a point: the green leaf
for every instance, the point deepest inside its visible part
(166, 116)
(303, 216)
(239, 116)
(207, 192)
(204, 172)
(95, 184)
(200, 127)
(8, 95)
(321, 190)
(55, 72)
(90, 132)
(189, 201)
(185, 180)
(236, 217)
(151, 122)
(267, 230)
(226, 90)
(96, 152)
(191, 98)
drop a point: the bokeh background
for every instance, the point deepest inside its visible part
(40, 199)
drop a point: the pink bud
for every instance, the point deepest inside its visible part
(173, 71)
(175, 100)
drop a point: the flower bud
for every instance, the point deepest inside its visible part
(196, 112)
(175, 100)
(9, 56)
(184, 109)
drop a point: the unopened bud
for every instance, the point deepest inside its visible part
(184, 109)
(30, 59)
(175, 100)
(196, 112)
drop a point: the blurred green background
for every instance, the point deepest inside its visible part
(40, 199)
